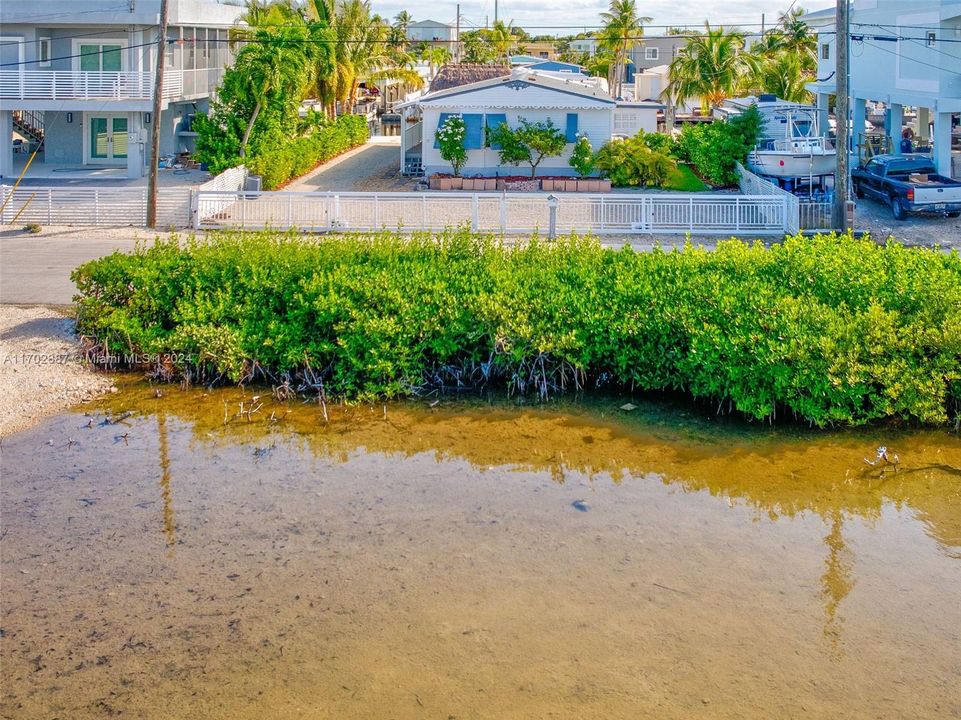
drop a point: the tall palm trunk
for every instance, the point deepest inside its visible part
(250, 127)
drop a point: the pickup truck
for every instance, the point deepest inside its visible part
(909, 183)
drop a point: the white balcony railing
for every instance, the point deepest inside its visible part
(124, 85)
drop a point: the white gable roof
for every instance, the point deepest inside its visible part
(522, 90)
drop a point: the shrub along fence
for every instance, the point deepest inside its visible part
(827, 329)
(298, 155)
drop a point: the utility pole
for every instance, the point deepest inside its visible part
(155, 119)
(495, 12)
(457, 44)
(841, 110)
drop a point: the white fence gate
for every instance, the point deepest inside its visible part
(508, 213)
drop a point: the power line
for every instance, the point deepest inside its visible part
(78, 55)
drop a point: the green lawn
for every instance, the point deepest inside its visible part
(684, 180)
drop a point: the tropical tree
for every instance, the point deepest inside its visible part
(710, 67)
(530, 143)
(436, 56)
(450, 142)
(783, 76)
(272, 67)
(620, 32)
(477, 49)
(502, 39)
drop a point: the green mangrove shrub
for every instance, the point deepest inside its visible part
(829, 329)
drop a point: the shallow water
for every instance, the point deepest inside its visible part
(472, 561)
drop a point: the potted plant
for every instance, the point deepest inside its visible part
(582, 160)
(450, 141)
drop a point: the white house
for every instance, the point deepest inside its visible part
(903, 54)
(434, 32)
(577, 105)
(78, 77)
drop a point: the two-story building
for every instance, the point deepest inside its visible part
(434, 32)
(78, 78)
(902, 55)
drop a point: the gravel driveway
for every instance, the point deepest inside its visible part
(921, 230)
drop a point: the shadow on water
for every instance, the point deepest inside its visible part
(715, 569)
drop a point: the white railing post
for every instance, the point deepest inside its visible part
(690, 213)
(504, 212)
(737, 214)
(474, 213)
(49, 206)
(96, 207)
(423, 212)
(376, 213)
(290, 211)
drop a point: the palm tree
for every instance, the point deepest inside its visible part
(272, 66)
(501, 38)
(621, 30)
(710, 67)
(435, 56)
(261, 14)
(783, 76)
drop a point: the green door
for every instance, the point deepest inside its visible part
(99, 139)
(119, 138)
(108, 138)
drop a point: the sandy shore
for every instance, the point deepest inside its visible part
(40, 368)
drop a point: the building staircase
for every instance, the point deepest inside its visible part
(29, 124)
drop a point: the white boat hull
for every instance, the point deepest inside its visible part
(792, 164)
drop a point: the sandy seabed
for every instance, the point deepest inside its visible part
(41, 367)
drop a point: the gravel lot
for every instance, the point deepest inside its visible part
(918, 230)
(40, 369)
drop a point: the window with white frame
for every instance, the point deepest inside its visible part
(825, 51)
(932, 39)
(650, 53)
(625, 123)
(44, 52)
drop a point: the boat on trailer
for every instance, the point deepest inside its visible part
(791, 145)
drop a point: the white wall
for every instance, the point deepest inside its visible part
(596, 123)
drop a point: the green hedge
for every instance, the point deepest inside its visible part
(298, 155)
(829, 329)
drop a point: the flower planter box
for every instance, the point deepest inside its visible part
(445, 183)
(500, 184)
(490, 184)
(569, 185)
(467, 184)
(457, 183)
(605, 185)
(592, 186)
(547, 185)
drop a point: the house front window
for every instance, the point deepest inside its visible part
(44, 52)
(825, 51)
(100, 56)
(650, 53)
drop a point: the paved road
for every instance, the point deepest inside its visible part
(371, 168)
(922, 230)
(35, 269)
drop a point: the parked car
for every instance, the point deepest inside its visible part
(909, 183)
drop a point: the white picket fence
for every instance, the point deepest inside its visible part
(508, 213)
(109, 206)
(752, 184)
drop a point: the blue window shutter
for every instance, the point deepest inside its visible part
(474, 138)
(493, 121)
(440, 124)
(571, 127)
